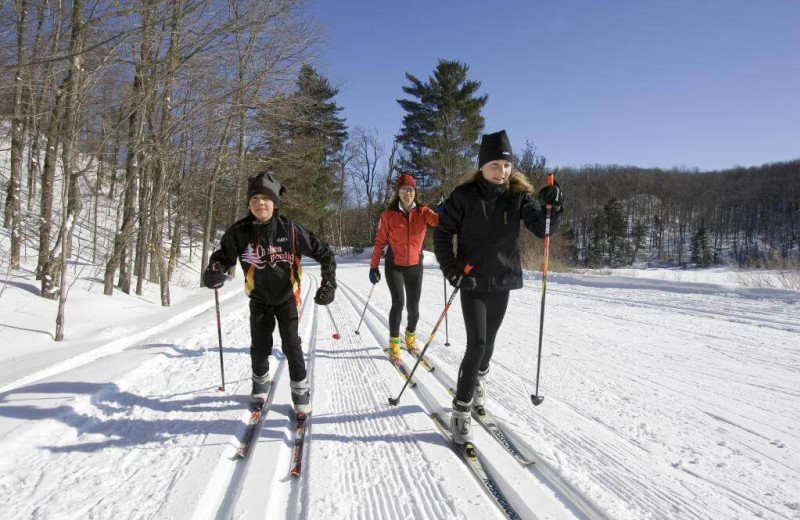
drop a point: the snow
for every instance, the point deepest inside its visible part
(664, 399)
(668, 394)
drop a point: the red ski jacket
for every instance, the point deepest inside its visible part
(405, 233)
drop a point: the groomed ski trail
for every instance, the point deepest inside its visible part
(536, 491)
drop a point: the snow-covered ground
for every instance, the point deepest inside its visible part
(664, 399)
(669, 394)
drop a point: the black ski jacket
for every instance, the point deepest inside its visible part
(270, 253)
(487, 227)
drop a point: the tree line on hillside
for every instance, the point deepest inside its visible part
(743, 216)
(166, 108)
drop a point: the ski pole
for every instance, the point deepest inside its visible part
(536, 398)
(335, 327)
(393, 401)
(219, 334)
(446, 328)
(365, 309)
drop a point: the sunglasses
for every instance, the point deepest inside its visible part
(406, 189)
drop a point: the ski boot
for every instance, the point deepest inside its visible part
(394, 348)
(261, 384)
(301, 396)
(411, 342)
(479, 399)
(461, 423)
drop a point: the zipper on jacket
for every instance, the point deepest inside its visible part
(408, 238)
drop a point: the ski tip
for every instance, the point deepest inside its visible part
(537, 399)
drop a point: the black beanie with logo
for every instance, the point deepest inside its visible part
(493, 147)
(265, 184)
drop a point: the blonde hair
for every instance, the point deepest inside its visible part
(517, 182)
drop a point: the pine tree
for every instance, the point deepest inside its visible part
(307, 133)
(701, 252)
(441, 126)
(616, 231)
(530, 163)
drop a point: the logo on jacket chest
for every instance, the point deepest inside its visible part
(259, 256)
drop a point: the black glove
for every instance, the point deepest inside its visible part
(468, 283)
(214, 276)
(551, 195)
(325, 293)
(374, 276)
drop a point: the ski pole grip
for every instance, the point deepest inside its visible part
(467, 269)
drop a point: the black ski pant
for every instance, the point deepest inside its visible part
(262, 325)
(483, 315)
(410, 279)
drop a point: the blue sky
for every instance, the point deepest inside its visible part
(693, 84)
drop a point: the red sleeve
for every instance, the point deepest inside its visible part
(380, 241)
(431, 217)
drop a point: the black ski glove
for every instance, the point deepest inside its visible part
(551, 195)
(468, 283)
(325, 293)
(374, 276)
(214, 276)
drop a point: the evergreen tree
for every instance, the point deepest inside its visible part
(616, 231)
(701, 252)
(441, 126)
(531, 163)
(597, 247)
(306, 135)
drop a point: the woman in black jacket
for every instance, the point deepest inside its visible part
(485, 213)
(269, 247)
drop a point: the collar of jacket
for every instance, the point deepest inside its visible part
(490, 189)
(263, 227)
(404, 212)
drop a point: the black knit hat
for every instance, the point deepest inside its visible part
(494, 146)
(265, 184)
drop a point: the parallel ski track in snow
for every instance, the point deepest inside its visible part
(236, 488)
(501, 464)
(600, 454)
(358, 431)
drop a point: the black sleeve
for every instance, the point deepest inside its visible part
(449, 224)
(228, 250)
(308, 244)
(533, 215)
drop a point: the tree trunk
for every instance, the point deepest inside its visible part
(119, 255)
(13, 211)
(70, 207)
(212, 192)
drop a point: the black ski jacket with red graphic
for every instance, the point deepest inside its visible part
(270, 253)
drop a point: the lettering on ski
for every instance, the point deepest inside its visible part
(470, 456)
(490, 424)
(258, 412)
(400, 368)
(299, 440)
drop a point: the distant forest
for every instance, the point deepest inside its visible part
(621, 215)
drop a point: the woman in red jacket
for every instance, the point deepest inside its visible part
(403, 224)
